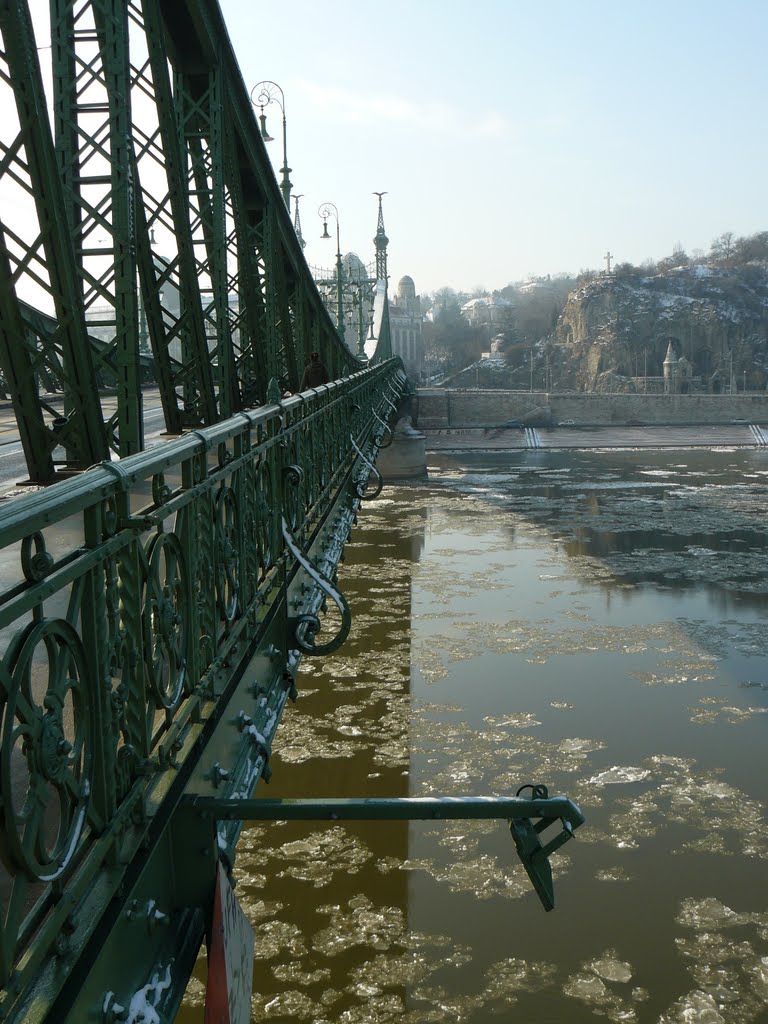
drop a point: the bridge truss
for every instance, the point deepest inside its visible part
(137, 192)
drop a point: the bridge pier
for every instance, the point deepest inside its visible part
(405, 457)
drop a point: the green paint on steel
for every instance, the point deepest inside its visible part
(152, 651)
(173, 631)
(43, 268)
(158, 222)
(392, 809)
(520, 813)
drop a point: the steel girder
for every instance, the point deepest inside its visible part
(38, 265)
(92, 115)
(158, 222)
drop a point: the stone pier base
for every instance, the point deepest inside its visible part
(405, 458)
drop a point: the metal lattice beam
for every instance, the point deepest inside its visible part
(92, 112)
(39, 256)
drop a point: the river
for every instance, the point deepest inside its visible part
(592, 621)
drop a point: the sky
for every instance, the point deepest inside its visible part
(516, 139)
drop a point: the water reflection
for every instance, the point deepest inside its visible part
(496, 644)
(324, 902)
(647, 516)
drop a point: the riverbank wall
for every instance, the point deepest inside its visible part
(440, 408)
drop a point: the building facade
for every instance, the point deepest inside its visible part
(405, 323)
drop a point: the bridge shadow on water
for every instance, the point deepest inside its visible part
(323, 899)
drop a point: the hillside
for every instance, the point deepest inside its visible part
(617, 328)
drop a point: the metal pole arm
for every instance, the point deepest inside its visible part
(519, 812)
(389, 808)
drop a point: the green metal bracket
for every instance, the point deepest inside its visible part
(388, 433)
(360, 489)
(519, 812)
(302, 629)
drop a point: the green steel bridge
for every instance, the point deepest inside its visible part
(156, 602)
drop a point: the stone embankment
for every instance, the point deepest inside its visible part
(440, 409)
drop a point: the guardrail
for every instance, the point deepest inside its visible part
(138, 598)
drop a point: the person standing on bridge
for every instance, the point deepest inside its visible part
(315, 373)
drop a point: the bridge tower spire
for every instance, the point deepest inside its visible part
(297, 222)
(381, 241)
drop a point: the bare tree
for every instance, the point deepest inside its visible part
(723, 247)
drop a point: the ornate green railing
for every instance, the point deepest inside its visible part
(153, 617)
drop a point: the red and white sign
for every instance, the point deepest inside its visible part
(230, 959)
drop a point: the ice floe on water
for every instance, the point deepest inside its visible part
(715, 710)
(613, 874)
(618, 775)
(362, 924)
(454, 682)
(580, 747)
(506, 980)
(710, 914)
(724, 953)
(316, 858)
(603, 985)
(694, 1008)
(609, 968)
(521, 720)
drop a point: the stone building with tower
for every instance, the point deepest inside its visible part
(677, 373)
(358, 282)
(405, 324)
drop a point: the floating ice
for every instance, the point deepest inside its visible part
(363, 925)
(292, 1004)
(293, 972)
(580, 747)
(614, 874)
(618, 775)
(695, 1008)
(275, 936)
(520, 720)
(507, 978)
(610, 968)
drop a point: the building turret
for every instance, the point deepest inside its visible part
(670, 370)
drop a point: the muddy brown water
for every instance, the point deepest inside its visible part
(592, 621)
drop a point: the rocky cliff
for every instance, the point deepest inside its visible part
(615, 331)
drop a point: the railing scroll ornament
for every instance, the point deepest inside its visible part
(387, 431)
(303, 628)
(360, 485)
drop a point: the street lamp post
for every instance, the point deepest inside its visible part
(363, 321)
(268, 93)
(325, 211)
